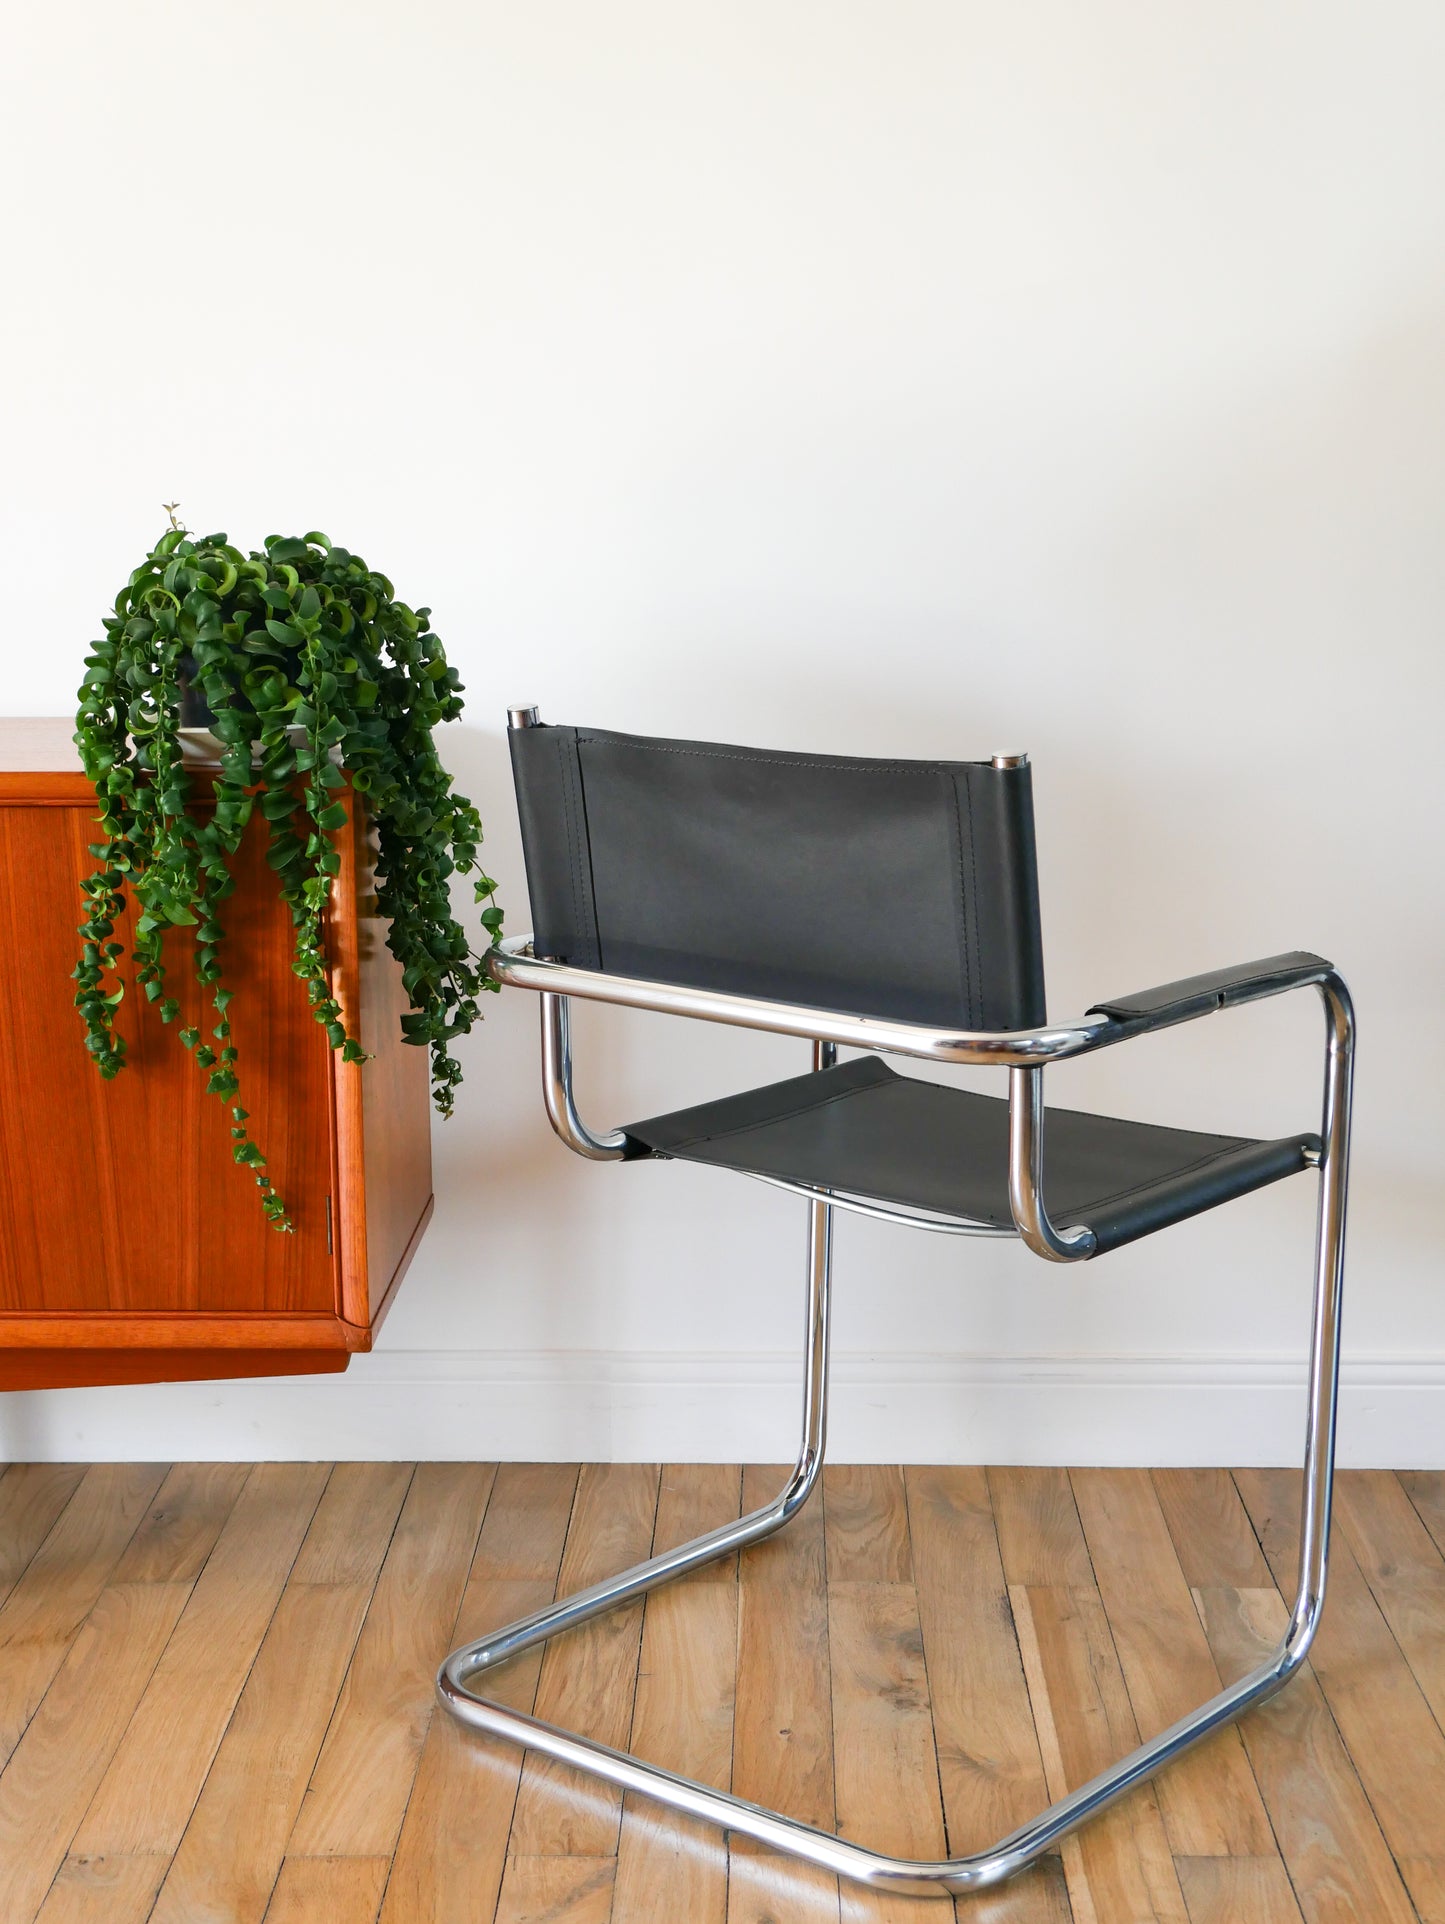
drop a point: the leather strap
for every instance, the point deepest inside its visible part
(1196, 994)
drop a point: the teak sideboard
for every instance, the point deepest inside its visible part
(132, 1248)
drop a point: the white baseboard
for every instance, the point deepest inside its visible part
(706, 1406)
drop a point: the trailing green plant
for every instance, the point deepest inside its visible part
(309, 666)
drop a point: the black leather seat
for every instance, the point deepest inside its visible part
(865, 1130)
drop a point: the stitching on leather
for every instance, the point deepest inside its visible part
(574, 858)
(965, 983)
(770, 761)
(1172, 1175)
(593, 929)
(973, 988)
(973, 872)
(766, 1122)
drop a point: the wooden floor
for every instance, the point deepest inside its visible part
(215, 1693)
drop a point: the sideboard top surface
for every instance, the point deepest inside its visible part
(39, 744)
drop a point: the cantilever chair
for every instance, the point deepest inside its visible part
(889, 907)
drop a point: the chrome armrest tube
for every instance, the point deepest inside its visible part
(513, 964)
(1023, 1052)
(1026, 1111)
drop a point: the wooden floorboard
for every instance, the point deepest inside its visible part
(1394, 1742)
(885, 1762)
(231, 1851)
(149, 1791)
(452, 1850)
(104, 1890)
(216, 1693)
(49, 1603)
(1211, 1804)
(783, 1725)
(328, 1890)
(589, 1677)
(1339, 1863)
(358, 1792)
(32, 1497)
(668, 1865)
(990, 1771)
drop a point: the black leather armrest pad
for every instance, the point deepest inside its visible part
(1216, 990)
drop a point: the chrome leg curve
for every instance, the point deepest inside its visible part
(1026, 1174)
(571, 1611)
(1014, 1852)
(557, 1087)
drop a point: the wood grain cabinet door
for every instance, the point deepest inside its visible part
(132, 1247)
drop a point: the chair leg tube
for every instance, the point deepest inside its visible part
(571, 1611)
(1319, 1467)
(1014, 1852)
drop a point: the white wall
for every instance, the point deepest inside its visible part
(905, 377)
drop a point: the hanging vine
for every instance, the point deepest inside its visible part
(315, 677)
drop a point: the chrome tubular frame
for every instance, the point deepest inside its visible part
(557, 1087)
(1026, 1174)
(1022, 1053)
(514, 965)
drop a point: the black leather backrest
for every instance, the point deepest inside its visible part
(889, 888)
